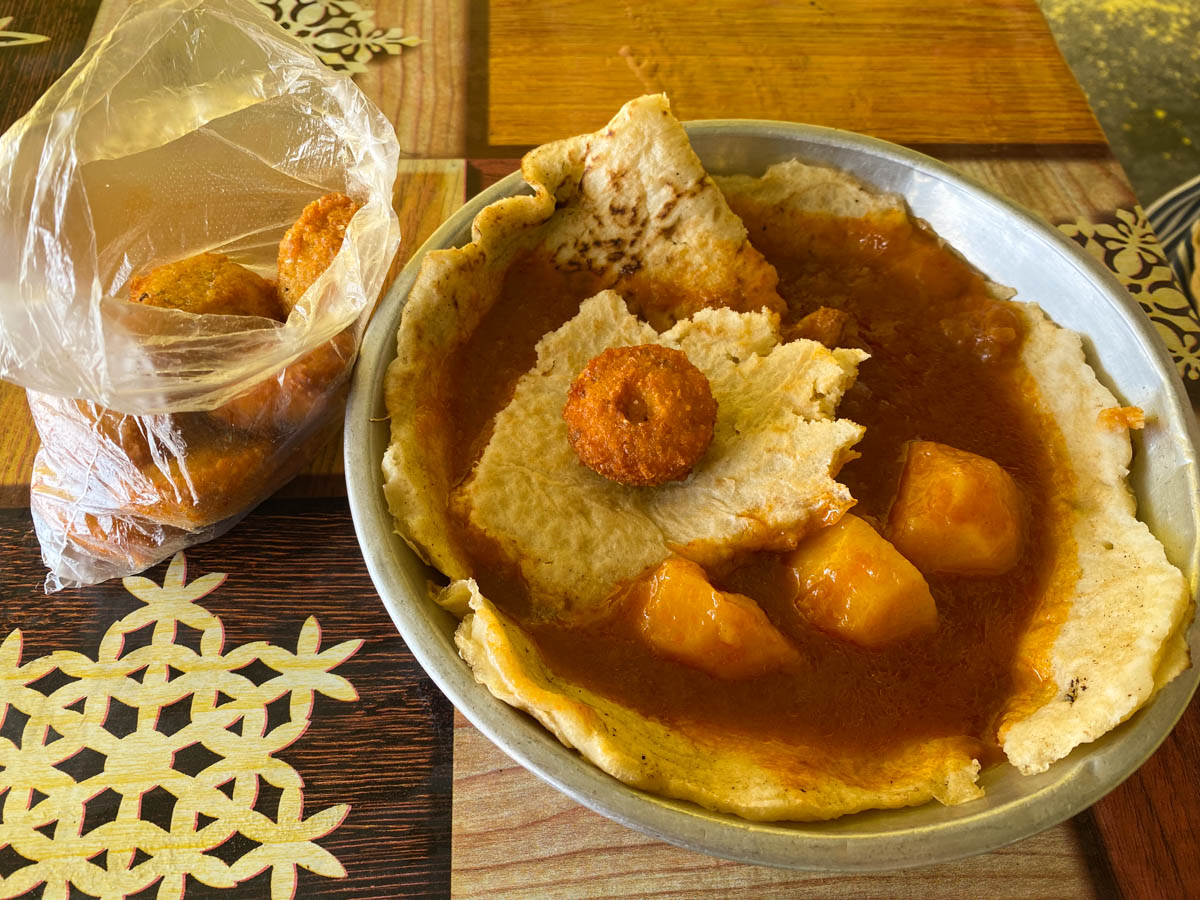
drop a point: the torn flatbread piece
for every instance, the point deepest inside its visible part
(767, 479)
(1121, 636)
(628, 208)
(1108, 632)
(793, 187)
(624, 242)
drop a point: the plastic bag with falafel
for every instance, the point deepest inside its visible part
(197, 220)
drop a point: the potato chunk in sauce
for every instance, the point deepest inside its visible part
(686, 619)
(905, 296)
(852, 583)
(956, 512)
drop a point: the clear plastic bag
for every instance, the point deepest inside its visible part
(193, 127)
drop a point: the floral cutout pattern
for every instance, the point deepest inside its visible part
(155, 762)
(17, 38)
(340, 32)
(1128, 246)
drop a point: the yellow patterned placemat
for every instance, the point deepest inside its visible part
(17, 38)
(182, 802)
(1129, 248)
(341, 32)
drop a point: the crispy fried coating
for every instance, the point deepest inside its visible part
(115, 430)
(640, 415)
(825, 325)
(210, 482)
(288, 400)
(311, 244)
(114, 540)
(1117, 418)
(208, 283)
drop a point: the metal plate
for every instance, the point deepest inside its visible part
(1012, 247)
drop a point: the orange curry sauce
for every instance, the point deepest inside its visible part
(944, 368)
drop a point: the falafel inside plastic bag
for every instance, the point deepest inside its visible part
(197, 219)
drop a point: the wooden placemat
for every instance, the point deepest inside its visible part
(271, 674)
(515, 836)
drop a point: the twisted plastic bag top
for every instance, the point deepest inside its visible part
(192, 127)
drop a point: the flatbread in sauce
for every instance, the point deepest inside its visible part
(555, 572)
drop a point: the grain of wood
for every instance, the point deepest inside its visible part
(423, 91)
(386, 753)
(18, 446)
(27, 70)
(1056, 188)
(908, 71)
(427, 192)
(1143, 823)
(515, 836)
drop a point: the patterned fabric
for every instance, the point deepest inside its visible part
(1128, 246)
(340, 32)
(1175, 218)
(152, 762)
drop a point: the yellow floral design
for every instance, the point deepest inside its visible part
(340, 32)
(17, 38)
(70, 752)
(1129, 247)
(1130, 241)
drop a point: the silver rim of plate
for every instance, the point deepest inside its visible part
(1011, 246)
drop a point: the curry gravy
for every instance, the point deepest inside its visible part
(944, 367)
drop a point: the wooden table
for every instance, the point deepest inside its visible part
(345, 769)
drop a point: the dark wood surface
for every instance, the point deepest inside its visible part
(1149, 824)
(388, 754)
(26, 70)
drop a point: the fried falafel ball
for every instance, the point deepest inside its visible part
(286, 401)
(110, 541)
(640, 415)
(219, 462)
(208, 284)
(311, 244)
(142, 493)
